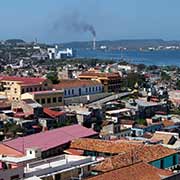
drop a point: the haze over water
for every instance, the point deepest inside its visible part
(159, 58)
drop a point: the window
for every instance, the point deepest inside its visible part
(79, 170)
(40, 89)
(58, 177)
(15, 90)
(93, 89)
(22, 91)
(31, 89)
(69, 92)
(43, 101)
(59, 99)
(72, 91)
(35, 89)
(65, 92)
(86, 90)
(48, 100)
(90, 89)
(38, 101)
(27, 90)
(30, 152)
(96, 88)
(54, 100)
(89, 168)
(99, 88)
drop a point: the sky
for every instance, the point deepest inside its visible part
(51, 20)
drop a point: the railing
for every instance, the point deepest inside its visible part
(63, 164)
(32, 165)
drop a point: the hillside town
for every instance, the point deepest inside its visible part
(63, 118)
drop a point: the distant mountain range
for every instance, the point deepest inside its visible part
(130, 44)
(116, 44)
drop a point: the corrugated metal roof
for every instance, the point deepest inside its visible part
(50, 139)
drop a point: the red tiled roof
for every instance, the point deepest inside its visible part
(46, 92)
(147, 153)
(98, 74)
(74, 152)
(167, 123)
(75, 83)
(104, 146)
(137, 171)
(23, 80)
(52, 113)
(116, 162)
(150, 153)
(50, 139)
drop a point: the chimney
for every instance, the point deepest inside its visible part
(94, 42)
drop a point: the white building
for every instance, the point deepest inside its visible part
(61, 167)
(30, 168)
(125, 67)
(13, 167)
(55, 53)
(79, 87)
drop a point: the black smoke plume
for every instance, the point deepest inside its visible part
(74, 22)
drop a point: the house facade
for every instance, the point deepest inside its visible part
(166, 162)
(51, 98)
(13, 87)
(110, 81)
(79, 87)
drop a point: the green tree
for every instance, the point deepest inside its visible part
(132, 79)
(12, 129)
(165, 76)
(53, 77)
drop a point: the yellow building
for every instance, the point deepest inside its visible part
(13, 87)
(110, 81)
(52, 98)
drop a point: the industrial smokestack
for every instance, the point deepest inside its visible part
(94, 42)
